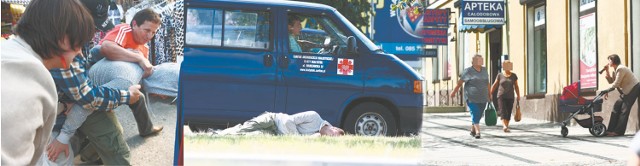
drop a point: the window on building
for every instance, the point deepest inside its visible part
(537, 50)
(444, 54)
(635, 37)
(435, 69)
(462, 51)
(584, 44)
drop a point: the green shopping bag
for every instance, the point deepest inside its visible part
(490, 117)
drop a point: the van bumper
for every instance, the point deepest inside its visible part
(410, 120)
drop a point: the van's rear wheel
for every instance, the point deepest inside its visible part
(370, 119)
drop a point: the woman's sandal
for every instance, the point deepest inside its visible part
(478, 136)
(506, 130)
(473, 133)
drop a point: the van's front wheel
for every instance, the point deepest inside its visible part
(371, 119)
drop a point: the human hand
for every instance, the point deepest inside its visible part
(606, 95)
(54, 149)
(453, 94)
(134, 94)
(68, 107)
(147, 67)
(606, 67)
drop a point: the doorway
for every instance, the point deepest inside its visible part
(495, 52)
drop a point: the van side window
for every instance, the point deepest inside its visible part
(200, 27)
(227, 28)
(314, 34)
(246, 29)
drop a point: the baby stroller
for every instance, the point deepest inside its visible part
(571, 101)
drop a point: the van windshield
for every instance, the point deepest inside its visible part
(357, 32)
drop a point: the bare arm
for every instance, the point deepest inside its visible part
(494, 86)
(517, 88)
(115, 52)
(458, 85)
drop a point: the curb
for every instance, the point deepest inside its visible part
(444, 109)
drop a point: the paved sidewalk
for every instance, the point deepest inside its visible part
(446, 141)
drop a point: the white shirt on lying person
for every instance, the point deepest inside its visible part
(303, 123)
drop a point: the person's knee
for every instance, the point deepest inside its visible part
(112, 144)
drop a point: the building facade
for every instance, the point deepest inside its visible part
(552, 43)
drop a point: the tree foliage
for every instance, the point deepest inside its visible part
(356, 11)
(418, 5)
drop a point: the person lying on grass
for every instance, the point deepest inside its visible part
(303, 123)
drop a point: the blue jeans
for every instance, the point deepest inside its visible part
(95, 54)
(476, 110)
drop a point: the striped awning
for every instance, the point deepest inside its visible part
(477, 28)
(20, 2)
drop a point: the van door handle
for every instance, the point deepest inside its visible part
(268, 60)
(284, 62)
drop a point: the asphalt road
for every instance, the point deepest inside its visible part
(154, 150)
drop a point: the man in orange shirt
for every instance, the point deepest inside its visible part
(127, 42)
(122, 48)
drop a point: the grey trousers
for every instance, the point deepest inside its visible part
(263, 124)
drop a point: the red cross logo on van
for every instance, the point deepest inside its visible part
(345, 66)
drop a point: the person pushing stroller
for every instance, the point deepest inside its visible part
(629, 88)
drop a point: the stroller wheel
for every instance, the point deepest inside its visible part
(598, 130)
(564, 131)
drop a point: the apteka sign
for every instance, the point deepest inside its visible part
(483, 12)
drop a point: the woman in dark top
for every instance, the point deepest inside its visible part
(506, 83)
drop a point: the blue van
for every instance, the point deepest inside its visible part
(238, 64)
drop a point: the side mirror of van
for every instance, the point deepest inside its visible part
(352, 45)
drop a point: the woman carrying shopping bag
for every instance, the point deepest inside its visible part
(476, 90)
(506, 83)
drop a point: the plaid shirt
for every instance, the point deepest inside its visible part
(74, 84)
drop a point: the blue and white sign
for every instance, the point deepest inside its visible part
(415, 49)
(483, 12)
(398, 32)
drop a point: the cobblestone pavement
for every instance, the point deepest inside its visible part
(446, 141)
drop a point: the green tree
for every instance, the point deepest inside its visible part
(402, 4)
(356, 11)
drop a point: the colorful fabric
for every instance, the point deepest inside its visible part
(74, 84)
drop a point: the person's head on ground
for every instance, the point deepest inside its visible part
(294, 26)
(507, 65)
(145, 24)
(614, 60)
(477, 60)
(56, 30)
(328, 130)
